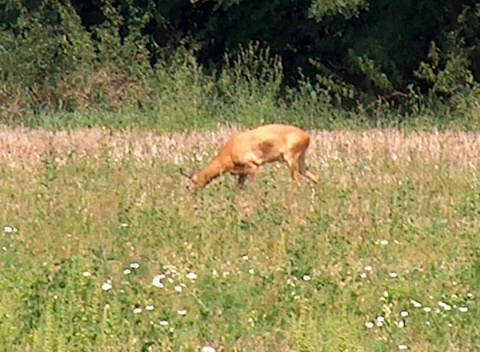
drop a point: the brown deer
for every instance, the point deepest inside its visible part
(246, 151)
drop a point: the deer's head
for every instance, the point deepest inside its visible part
(193, 178)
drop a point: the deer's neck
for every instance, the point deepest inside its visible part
(212, 170)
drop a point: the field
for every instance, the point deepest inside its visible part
(103, 248)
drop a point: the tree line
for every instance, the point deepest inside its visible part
(357, 51)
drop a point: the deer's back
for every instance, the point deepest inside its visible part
(266, 143)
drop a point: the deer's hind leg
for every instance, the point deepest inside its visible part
(293, 165)
(304, 170)
(296, 163)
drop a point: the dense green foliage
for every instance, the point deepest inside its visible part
(370, 57)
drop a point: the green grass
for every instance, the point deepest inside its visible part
(278, 268)
(173, 121)
(166, 122)
(168, 118)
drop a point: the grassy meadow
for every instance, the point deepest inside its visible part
(103, 248)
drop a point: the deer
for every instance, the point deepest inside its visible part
(245, 152)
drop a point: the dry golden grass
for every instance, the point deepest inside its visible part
(24, 148)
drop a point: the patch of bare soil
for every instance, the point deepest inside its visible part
(25, 148)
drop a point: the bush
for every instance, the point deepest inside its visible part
(54, 68)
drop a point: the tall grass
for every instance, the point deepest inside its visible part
(104, 249)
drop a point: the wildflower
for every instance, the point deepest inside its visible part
(191, 276)
(214, 272)
(380, 320)
(178, 288)
(150, 307)
(123, 224)
(384, 242)
(86, 274)
(9, 229)
(107, 285)
(251, 271)
(368, 268)
(182, 312)
(445, 305)
(127, 271)
(156, 281)
(469, 295)
(415, 303)
(172, 270)
(245, 257)
(134, 265)
(450, 325)
(363, 275)
(369, 324)
(404, 313)
(401, 324)
(393, 275)
(463, 309)
(208, 349)
(427, 309)
(163, 322)
(137, 310)
(402, 347)
(306, 278)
